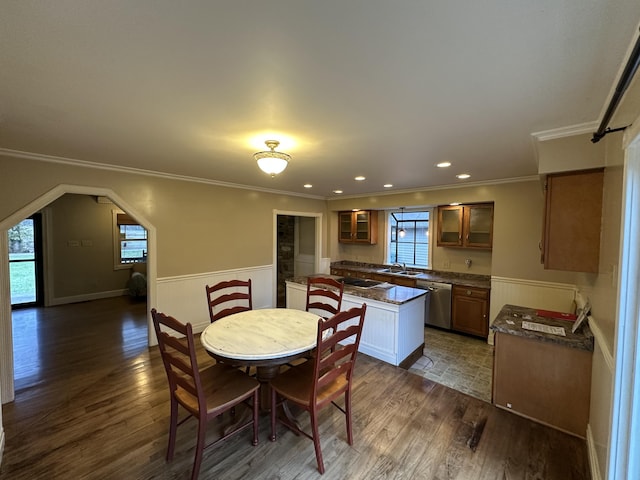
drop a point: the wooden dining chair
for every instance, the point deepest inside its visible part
(315, 384)
(324, 296)
(204, 394)
(228, 297)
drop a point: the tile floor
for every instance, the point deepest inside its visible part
(457, 361)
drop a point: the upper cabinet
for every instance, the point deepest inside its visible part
(465, 226)
(358, 227)
(572, 221)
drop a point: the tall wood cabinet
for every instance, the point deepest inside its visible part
(466, 226)
(470, 310)
(358, 227)
(572, 221)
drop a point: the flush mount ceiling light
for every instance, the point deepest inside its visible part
(270, 161)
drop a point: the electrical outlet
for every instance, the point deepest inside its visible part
(73, 243)
(446, 264)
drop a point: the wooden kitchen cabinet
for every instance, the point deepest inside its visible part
(358, 227)
(469, 310)
(547, 382)
(465, 226)
(572, 221)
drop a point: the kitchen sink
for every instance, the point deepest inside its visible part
(399, 272)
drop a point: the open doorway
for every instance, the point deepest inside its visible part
(297, 248)
(64, 294)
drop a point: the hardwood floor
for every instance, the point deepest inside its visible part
(92, 403)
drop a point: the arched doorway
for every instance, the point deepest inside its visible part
(7, 393)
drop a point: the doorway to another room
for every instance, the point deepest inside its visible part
(296, 249)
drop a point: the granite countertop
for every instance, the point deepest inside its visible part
(386, 292)
(465, 279)
(510, 318)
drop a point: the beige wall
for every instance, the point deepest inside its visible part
(228, 228)
(517, 230)
(80, 243)
(565, 154)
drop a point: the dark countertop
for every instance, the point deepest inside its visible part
(465, 279)
(582, 339)
(395, 294)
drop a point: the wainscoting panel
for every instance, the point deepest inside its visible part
(184, 297)
(600, 411)
(529, 293)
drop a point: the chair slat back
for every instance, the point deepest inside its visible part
(228, 297)
(179, 356)
(324, 294)
(337, 347)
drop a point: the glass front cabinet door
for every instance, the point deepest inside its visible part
(358, 227)
(466, 226)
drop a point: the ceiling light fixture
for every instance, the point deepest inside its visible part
(359, 178)
(337, 191)
(443, 164)
(307, 185)
(388, 185)
(463, 176)
(270, 161)
(402, 231)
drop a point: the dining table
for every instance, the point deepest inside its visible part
(265, 339)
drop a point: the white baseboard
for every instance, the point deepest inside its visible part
(87, 297)
(593, 457)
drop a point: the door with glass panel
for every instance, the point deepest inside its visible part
(25, 262)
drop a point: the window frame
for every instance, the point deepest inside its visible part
(389, 246)
(118, 264)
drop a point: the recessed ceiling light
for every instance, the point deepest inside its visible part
(388, 185)
(454, 204)
(307, 185)
(443, 164)
(463, 176)
(360, 178)
(337, 191)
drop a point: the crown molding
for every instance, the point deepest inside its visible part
(569, 131)
(139, 171)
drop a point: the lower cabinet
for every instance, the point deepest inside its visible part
(392, 333)
(546, 382)
(470, 310)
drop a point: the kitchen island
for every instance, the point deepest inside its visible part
(543, 376)
(394, 323)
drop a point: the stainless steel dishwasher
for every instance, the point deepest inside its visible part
(438, 306)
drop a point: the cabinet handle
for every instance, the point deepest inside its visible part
(468, 292)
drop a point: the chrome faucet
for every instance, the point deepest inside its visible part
(402, 266)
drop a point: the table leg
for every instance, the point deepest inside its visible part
(265, 374)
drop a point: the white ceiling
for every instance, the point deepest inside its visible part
(378, 88)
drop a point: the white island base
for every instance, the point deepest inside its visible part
(393, 333)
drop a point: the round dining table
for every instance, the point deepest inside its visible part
(264, 338)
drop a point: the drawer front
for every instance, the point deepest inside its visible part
(472, 292)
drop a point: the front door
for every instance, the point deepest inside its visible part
(25, 262)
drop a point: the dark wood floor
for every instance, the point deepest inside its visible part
(92, 402)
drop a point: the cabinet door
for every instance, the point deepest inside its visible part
(572, 221)
(345, 226)
(358, 227)
(450, 226)
(362, 224)
(478, 226)
(469, 310)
